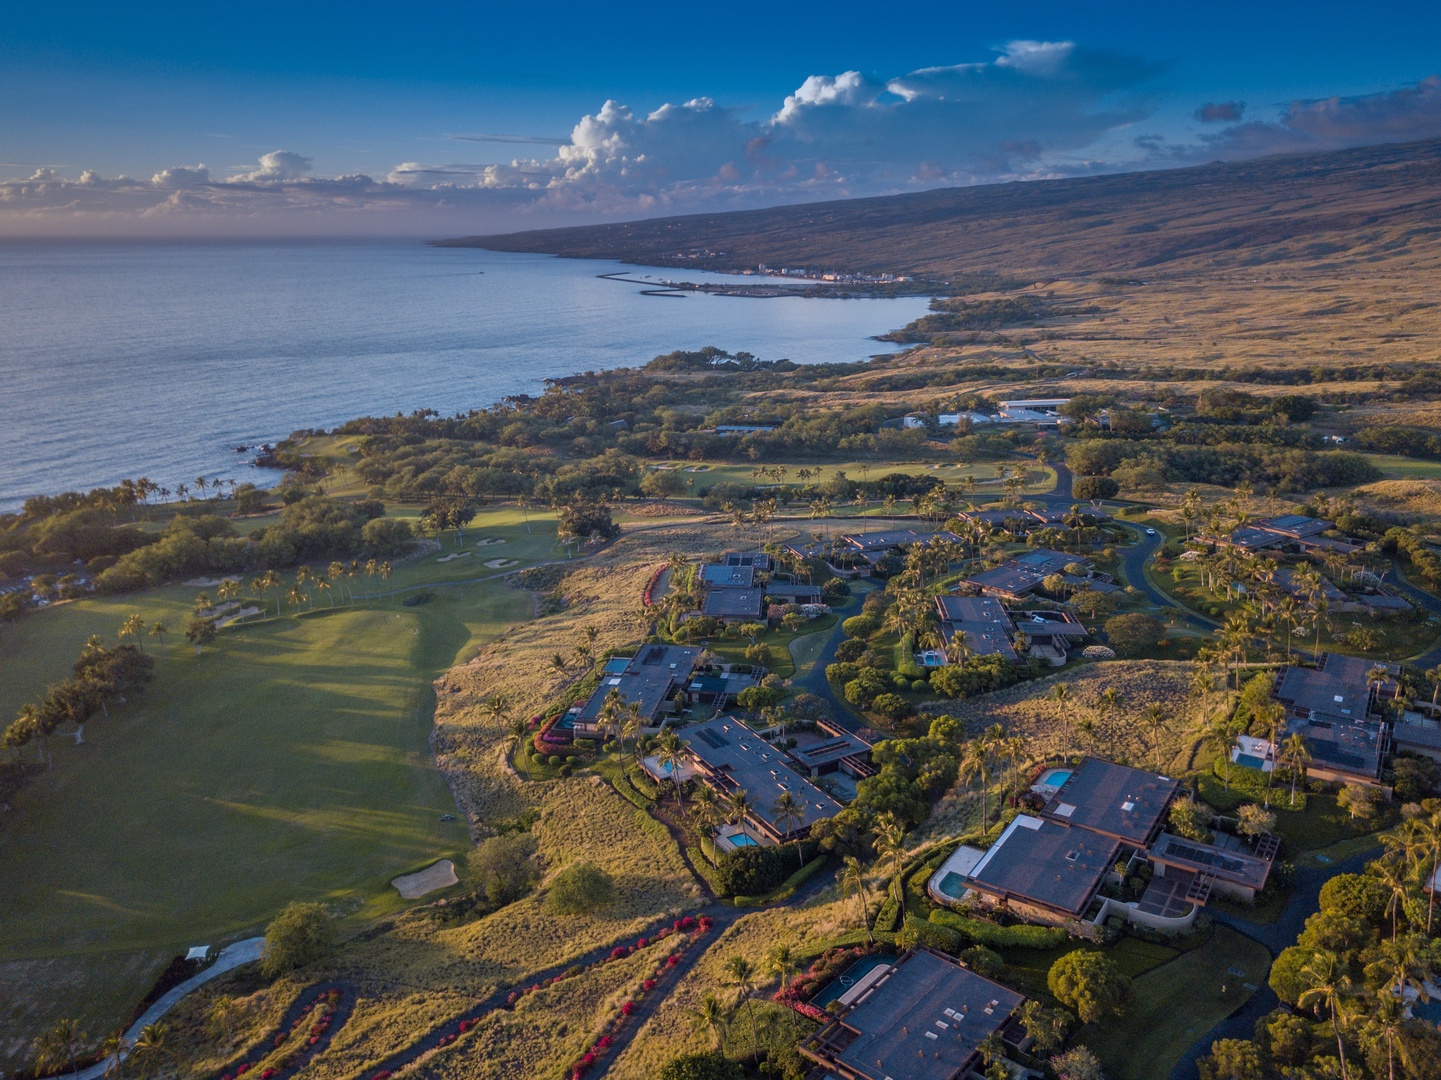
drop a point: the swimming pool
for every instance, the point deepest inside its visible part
(742, 840)
(1429, 1011)
(848, 978)
(1251, 761)
(1054, 778)
(953, 885)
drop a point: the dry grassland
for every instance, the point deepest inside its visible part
(669, 1032)
(1121, 735)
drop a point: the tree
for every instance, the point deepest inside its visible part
(1294, 756)
(581, 888)
(710, 1018)
(1077, 1064)
(134, 629)
(1326, 987)
(1134, 633)
(200, 632)
(741, 975)
(1233, 1059)
(1089, 983)
(159, 630)
(114, 1049)
(299, 935)
(1255, 821)
(504, 869)
(1046, 1027)
(1093, 488)
(151, 1047)
(853, 880)
(788, 810)
(1359, 799)
(663, 484)
(58, 1046)
(702, 1067)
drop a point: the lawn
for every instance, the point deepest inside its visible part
(290, 761)
(782, 663)
(952, 472)
(1394, 466)
(1177, 1003)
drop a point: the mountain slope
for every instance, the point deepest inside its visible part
(1378, 206)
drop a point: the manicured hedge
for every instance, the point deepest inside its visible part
(931, 935)
(787, 888)
(888, 917)
(981, 932)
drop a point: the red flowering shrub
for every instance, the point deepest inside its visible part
(628, 1008)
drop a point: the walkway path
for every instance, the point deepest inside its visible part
(231, 957)
(1305, 901)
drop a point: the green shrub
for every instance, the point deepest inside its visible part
(755, 871)
(921, 686)
(888, 916)
(554, 760)
(588, 745)
(701, 1067)
(299, 935)
(983, 932)
(860, 626)
(581, 888)
(1356, 895)
(930, 935)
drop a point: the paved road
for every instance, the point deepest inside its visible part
(1431, 658)
(1305, 901)
(231, 957)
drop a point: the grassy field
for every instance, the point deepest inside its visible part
(1396, 467)
(1175, 1004)
(952, 472)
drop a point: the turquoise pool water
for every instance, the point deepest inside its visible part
(847, 979)
(1251, 761)
(1056, 777)
(742, 840)
(952, 885)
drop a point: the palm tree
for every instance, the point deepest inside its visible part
(741, 974)
(58, 1046)
(1327, 985)
(1295, 756)
(1270, 716)
(671, 753)
(711, 1017)
(229, 590)
(705, 808)
(788, 810)
(496, 707)
(1061, 695)
(159, 630)
(1155, 716)
(113, 1050)
(134, 628)
(737, 806)
(891, 846)
(976, 763)
(518, 731)
(221, 1017)
(632, 725)
(853, 880)
(1393, 876)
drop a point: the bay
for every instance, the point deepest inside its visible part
(127, 360)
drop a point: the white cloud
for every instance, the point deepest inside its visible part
(1035, 109)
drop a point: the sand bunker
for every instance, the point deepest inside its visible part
(439, 876)
(501, 564)
(488, 541)
(244, 613)
(205, 582)
(454, 555)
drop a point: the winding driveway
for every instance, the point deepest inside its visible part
(1305, 901)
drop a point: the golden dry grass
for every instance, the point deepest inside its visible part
(1415, 499)
(669, 1032)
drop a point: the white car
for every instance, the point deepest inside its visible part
(1150, 532)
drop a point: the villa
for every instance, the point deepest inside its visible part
(728, 576)
(730, 756)
(981, 624)
(1066, 864)
(651, 679)
(1331, 706)
(728, 605)
(1017, 578)
(923, 1017)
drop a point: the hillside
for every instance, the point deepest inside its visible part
(1378, 206)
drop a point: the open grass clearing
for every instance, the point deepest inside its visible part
(1394, 466)
(1175, 1004)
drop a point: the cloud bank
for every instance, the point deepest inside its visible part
(1036, 109)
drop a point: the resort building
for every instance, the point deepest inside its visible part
(923, 1017)
(726, 576)
(1291, 532)
(791, 593)
(730, 756)
(651, 679)
(829, 749)
(1330, 706)
(1068, 865)
(1052, 634)
(1017, 578)
(734, 605)
(758, 559)
(980, 624)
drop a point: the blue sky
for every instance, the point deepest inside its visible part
(363, 118)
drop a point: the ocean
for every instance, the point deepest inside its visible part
(127, 360)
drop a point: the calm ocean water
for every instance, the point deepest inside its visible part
(153, 360)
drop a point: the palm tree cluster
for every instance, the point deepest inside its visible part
(1359, 966)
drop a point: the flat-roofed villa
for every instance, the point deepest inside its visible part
(650, 679)
(1067, 864)
(982, 624)
(728, 605)
(923, 1017)
(730, 756)
(726, 576)
(1330, 706)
